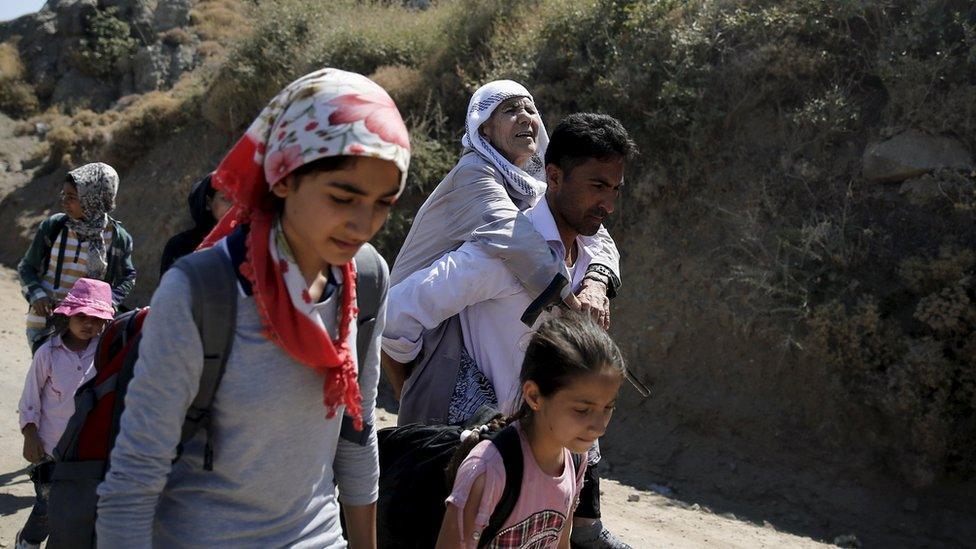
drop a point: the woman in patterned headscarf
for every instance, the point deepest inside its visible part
(312, 180)
(81, 242)
(500, 174)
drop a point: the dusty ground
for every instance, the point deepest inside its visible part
(653, 521)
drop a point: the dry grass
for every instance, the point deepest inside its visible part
(144, 123)
(176, 37)
(17, 98)
(219, 21)
(10, 64)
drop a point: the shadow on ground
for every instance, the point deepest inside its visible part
(809, 497)
(11, 503)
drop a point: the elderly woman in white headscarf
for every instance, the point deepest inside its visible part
(500, 174)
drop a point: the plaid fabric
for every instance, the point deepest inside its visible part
(539, 531)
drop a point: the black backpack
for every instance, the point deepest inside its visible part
(81, 456)
(413, 483)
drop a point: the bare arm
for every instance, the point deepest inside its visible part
(361, 525)
(396, 373)
(567, 533)
(452, 528)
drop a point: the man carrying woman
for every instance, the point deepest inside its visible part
(557, 246)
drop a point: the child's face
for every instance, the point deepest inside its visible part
(219, 205)
(85, 327)
(70, 202)
(329, 215)
(578, 414)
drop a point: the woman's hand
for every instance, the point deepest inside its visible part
(42, 306)
(33, 447)
(593, 300)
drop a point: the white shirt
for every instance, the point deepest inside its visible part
(489, 300)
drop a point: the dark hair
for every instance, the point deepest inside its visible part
(585, 135)
(59, 322)
(561, 350)
(327, 164)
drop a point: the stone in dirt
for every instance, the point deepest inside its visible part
(913, 153)
(661, 489)
(633, 498)
(847, 540)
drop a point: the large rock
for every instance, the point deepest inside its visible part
(150, 67)
(72, 16)
(171, 14)
(77, 89)
(911, 154)
(160, 66)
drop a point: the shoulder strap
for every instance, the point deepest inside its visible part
(372, 279)
(58, 223)
(509, 445)
(213, 285)
(59, 227)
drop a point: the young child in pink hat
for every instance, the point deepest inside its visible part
(60, 366)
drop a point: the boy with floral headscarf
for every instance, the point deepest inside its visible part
(82, 242)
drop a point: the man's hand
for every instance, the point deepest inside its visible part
(33, 448)
(593, 300)
(396, 372)
(42, 306)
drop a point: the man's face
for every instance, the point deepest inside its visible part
(585, 196)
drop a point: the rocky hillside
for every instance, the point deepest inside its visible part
(88, 54)
(798, 236)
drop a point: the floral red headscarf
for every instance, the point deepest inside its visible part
(323, 114)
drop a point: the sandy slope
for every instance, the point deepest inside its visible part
(653, 521)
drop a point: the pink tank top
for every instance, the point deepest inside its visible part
(545, 502)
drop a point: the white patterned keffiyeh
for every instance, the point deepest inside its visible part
(529, 181)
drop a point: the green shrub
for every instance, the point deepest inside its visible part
(107, 40)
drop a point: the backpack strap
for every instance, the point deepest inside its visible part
(509, 445)
(58, 228)
(213, 284)
(372, 280)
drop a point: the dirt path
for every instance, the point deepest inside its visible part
(652, 521)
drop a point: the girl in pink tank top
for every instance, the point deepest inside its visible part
(569, 380)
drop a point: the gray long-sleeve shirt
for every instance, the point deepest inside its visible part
(276, 458)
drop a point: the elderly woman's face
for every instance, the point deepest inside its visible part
(513, 129)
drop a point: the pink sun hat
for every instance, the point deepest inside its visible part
(90, 297)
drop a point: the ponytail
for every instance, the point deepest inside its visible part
(477, 434)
